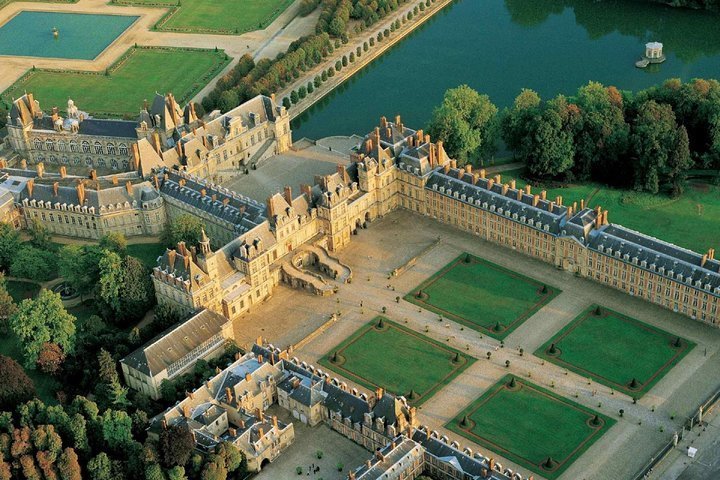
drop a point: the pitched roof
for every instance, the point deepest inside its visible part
(176, 342)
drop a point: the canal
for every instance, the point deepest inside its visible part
(499, 47)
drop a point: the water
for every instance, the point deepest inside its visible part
(501, 46)
(81, 36)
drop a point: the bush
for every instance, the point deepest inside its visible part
(372, 41)
(338, 66)
(386, 33)
(331, 72)
(344, 61)
(365, 46)
(317, 81)
(310, 87)
(302, 92)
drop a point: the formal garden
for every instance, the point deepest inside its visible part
(214, 16)
(615, 350)
(120, 90)
(482, 295)
(388, 355)
(531, 426)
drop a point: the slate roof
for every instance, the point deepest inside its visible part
(242, 212)
(469, 465)
(100, 193)
(176, 342)
(657, 256)
(403, 450)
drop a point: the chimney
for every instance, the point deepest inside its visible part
(189, 395)
(56, 187)
(181, 248)
(156, 143)
(171, 258)
(114, 180)
(258, 414)
(498, 178)
(232, 432)
(40, 169)
(186, 411)
(164, 424)
(248, 377)
(270, 207)
(242, 424)
(383, 122)
(63, 171)
(582, 204)
(482, 173)
(468, 169)
(23, 164)
(129, 187)
(30, 185)
(261, 432)
(427, 138)
(93, 174)
(228, 394)
(512, 184)
(272, 99)
(275, 422)
(81, 193)
(605, 217)
(527, 189)
(203, 192)
(704, 260)
(551, 206)
(536, 199)
(287, 193)
(307, 190)
(398, 120)
(711, 254)
(490, 184)
(379, 393)
(519, 194)
(419, 134)
(505, 188)
(543, 195)
(260, 359)
(460, 173)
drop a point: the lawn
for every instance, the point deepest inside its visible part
(19, 291)
(147, 252)
(528, 424)
(220, 16)
(135, 77)
(482, 295)
(689, 221)
(397, 359)
(45, 385)
(614, 349)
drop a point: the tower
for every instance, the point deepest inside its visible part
(204, 244)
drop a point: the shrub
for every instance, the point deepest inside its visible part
(372, 41)
(294, 98)
(302, 92)
(338, 66)
(317, 81)
(344, 61)
(310, 87)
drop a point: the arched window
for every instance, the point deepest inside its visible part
(50, 145)
(53, 159)
(123, 149)
(98, 148)
(73, 147)
(125, 164)
(38, 144)
(40, 158)
(111, 149)
(113, 164)
(65, 160)
(61, 146)
(86, 146)
(76, 161)
(101, 163)
(88, 161)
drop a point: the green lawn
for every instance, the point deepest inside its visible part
(689, 221)
(45, 385)
(397, 359)
(482, 295)
(19, 291)
(528, 424)
(136, 77)
(147, 252)
(614, 349)
(219, 16)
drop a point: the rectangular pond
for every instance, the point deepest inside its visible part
(79, 35)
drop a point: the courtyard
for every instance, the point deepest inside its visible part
(482, 295)
(615, 350)
(532, 426)
(79, 36)
(335, 451)
(388, 355)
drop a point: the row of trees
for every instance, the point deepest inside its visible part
(81, 441)
(700, 4)
(648, 140)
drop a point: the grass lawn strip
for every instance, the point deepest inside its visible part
(528, 424)
(397, 359)
(137, 75)
(482, 294)
(215, 16)
(613, 349)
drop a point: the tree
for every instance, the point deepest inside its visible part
(109, 391)
(234, 458)
(40, 320)
(79, 266)
(7, 304)
(654, 137)
(116, 428)
(137, 294)
(111, 280)
(679, 162)
(286, 103)
(115, 242)
(302, 92)
(50, 358)
(154, 472)
(228, 100)
(183, 228)
(176, 473)
(99, 467)
(294, 97)
(33, 263)
(175, 446)
(39, 235)
(9, 244)
(214, 470)
(336, 27)
(68, 465)
(16, 387)
(465, 122)
(548, 144)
